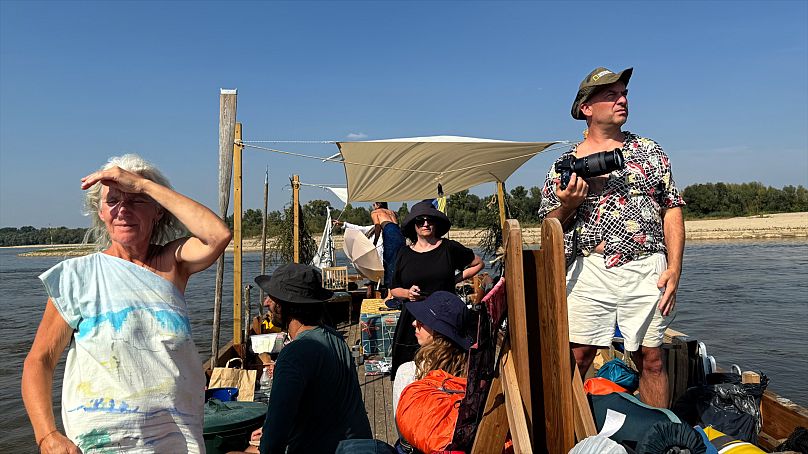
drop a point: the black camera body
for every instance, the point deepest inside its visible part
(594, 165)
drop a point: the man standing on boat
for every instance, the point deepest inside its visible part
(386, 221)
(625, 231)
(316, 401)
(386, 236)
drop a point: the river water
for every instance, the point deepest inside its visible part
(747, 300)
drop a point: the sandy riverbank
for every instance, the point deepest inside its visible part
(781, 225)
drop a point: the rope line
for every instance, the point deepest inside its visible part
(320, 158)
(401, 169)
(290, 141)
(324, 186)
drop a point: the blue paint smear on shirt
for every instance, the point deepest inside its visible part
(173, 321)
(102, 405)
(170, 320)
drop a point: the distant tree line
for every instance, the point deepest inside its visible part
(467, 210)
(11, 236)
(744, 199)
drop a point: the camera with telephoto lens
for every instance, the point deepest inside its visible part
(594, 165)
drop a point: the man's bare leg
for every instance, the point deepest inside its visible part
(653, 377)
(584, 355)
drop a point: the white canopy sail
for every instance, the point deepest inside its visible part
(395, 170)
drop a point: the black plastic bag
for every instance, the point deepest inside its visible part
(667, 437)
(726, 404)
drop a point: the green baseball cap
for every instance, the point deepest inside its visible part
(597, 78)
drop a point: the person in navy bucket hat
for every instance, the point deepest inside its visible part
(444, 313)
(443, 341)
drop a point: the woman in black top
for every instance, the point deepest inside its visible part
(429, 264)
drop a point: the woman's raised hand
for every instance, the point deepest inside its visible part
(414, 293)
(117, 178)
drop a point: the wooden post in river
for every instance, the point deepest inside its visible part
(227, 126)
(296, 217)
(237, 210)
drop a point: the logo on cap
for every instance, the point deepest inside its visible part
(600, 74)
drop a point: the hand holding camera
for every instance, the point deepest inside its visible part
(594, 165)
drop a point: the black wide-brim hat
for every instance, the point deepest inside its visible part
(446, 314)
(425, 208)
(594, 80)
(295, 283)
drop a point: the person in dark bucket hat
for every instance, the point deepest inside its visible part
(599, 77)
(625, 226)
(440, 328)
(295, 283)
(316, 401)
(430, 264)
(425, 210)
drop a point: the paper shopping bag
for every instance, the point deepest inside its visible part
(232, 377)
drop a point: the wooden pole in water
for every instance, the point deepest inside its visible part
(264, 240)
(237, 211)
(227, 126)
(296, 217)
(501, 200)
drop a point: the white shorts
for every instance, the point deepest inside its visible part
(626, 295)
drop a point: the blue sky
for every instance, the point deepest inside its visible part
(722, 86)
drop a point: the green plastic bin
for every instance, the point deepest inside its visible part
(228, 425)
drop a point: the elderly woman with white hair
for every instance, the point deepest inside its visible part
(133, 379)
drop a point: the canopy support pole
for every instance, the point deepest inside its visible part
(501, 200)
(237, 209)
(296, 217)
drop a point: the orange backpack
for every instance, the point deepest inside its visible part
(427, 410)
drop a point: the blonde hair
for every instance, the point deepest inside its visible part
(441, 354)
(168, 227)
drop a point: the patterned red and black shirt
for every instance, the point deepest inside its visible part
(622, 208)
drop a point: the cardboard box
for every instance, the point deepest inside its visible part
(378, 325)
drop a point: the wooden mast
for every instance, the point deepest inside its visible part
(296, 217)
(227, 126)
(264, 239)
(237, 210)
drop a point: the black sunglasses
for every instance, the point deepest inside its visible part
(421, 220)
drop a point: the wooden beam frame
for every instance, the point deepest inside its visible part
(514, 407)
(554, 332)
(493, 428)
(518, 323)
(538, 360)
